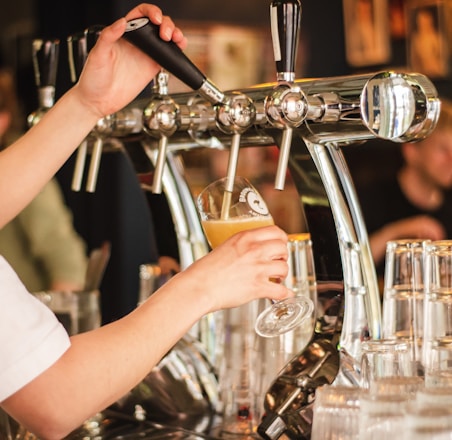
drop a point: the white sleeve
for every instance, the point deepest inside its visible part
(31, 337)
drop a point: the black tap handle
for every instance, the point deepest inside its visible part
(285, 25)
(145, 35)
(77, 52)
(45, 61)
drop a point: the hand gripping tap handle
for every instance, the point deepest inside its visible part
(145, 35)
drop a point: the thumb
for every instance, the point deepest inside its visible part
(113, 32)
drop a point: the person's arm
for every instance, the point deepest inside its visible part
(114, 74)
(104, 364)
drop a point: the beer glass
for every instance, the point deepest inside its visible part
(242, 367)
(437, 348)
(224, 213)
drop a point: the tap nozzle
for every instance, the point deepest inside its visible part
(234, 116)
(287, 106)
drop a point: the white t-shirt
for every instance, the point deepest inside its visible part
(31, 337)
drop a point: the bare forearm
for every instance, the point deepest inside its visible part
(103, 365)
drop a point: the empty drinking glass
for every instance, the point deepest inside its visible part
(427, 423)
(437, 347)
(403, 296)
(435, 396)
(336, 413)
(382, 415)
(397, 385)
(385, 358)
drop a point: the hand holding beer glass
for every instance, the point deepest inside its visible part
(225, 213)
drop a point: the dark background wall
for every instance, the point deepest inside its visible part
(322, 31)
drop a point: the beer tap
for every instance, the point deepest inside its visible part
(235, 116)
(160, 120)
(287, 106)
(45, 62)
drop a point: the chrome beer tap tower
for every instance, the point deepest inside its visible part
(311, 120)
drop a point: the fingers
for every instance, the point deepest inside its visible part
(278, 292)
(113, 32)
(264, 233)
(276, 271)
(168, 30)
(154, 13)
(267, 248)
(240, 270)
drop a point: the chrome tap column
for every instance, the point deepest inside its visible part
(286, 106)
(312, 120)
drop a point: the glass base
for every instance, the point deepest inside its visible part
(283, 316)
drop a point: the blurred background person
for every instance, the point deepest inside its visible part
(416, 201)
(40, 243)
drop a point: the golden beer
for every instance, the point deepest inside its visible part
(217, 231)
